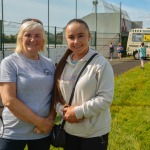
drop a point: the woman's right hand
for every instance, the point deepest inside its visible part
(45, 126)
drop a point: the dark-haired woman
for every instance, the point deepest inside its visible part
(88, 119)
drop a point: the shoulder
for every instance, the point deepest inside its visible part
(10, 59)
(99, 64)
(99, 60)
(48, 61)
(10, 63)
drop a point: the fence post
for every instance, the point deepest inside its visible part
(95, 40)
(55, 37)
(2, 38)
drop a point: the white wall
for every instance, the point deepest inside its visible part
(55, 53)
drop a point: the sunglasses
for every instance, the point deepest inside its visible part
(32, 19)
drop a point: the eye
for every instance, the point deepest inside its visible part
(81, 35)
(71, 37)
(27, 35)
(38, 35)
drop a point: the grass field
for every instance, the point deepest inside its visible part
(131, 111)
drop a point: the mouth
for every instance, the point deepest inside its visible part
(77, 47)
(32, 45)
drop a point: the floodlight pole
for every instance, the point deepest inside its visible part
(95, 3)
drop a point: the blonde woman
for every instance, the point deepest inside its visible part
(26, 87)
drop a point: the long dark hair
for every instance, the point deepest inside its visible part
(57, 97)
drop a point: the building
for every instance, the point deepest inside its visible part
(107, 24)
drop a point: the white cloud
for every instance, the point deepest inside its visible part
(139, 15)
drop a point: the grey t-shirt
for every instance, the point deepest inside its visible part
(34, 80)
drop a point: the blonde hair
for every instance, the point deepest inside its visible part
(26, 27)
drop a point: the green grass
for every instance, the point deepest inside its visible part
(130, 111)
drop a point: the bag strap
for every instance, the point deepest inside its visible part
(72, 94)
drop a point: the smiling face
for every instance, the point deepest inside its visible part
(77, 36)
(32, 42)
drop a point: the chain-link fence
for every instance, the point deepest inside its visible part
(57, 38)
(56, 34)
(11, 30)
(104, 40)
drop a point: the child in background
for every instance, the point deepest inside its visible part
(142, 54)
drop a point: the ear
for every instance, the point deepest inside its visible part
(89, 36)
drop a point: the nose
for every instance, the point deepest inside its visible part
(76, 40)
(32, 38)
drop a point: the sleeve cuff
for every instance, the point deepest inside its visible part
(79, 112)
(59, 109)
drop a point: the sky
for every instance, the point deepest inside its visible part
(61, 11)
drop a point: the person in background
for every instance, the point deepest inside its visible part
(111, 51)
(88, 119)
(26, 80)
(120, 51)
(142, 54)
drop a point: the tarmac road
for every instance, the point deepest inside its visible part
(124, 65)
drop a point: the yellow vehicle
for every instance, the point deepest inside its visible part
(135, 38)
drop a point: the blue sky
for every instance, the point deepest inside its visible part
(61, 11)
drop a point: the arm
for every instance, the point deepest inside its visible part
(51, 117)
(20, 110)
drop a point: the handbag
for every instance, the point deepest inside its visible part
(58, 136)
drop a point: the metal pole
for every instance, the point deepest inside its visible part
(48, 32)
(96, 21)
(76, 9)
(2, 31)
(55, 38)
(120, 38)
(95, 4)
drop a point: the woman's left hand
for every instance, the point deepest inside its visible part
(69, 115)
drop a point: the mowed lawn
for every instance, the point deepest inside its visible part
(131, 111)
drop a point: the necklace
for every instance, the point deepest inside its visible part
(73, 61)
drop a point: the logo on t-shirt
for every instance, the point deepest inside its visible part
(47, 72)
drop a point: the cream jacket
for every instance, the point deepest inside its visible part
(93, 95)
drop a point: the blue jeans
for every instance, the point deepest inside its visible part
(39, 144)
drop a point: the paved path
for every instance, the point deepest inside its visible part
(124, 65)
